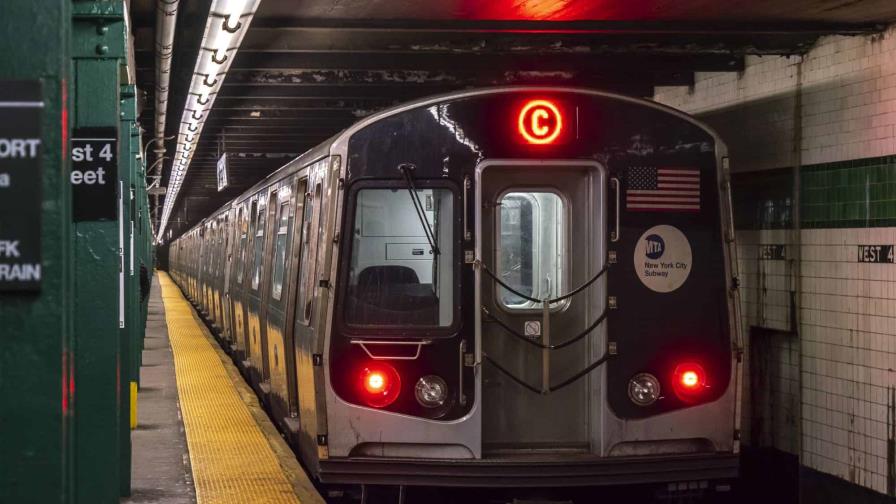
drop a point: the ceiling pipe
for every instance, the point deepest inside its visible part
(166, 21)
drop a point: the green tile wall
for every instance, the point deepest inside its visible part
(859, 193)
(848, 194)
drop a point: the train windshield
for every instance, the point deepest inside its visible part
(396, 278)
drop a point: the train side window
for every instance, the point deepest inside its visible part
(227, 239)
(280, 250)
(243, 223)
(303, 301)
(531, 248)
(259, 246)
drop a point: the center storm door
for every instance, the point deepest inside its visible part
(542, 233)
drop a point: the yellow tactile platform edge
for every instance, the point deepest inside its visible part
(231, 458)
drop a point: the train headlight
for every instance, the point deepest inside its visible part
(644, 389)
(381, 384)
(431, 391)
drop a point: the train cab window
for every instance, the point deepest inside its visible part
(531, 249)
(259, 247)
(280, 250)
(395, 276)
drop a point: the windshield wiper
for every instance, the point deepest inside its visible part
(406, 169)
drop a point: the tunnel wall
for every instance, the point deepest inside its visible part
(813, 156)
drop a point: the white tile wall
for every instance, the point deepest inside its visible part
(848, 343)
(848, 92)
(844, 361)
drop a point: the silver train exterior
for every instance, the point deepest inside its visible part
(525, 286)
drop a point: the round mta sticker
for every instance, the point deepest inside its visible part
(663, 258)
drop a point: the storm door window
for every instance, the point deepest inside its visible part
(531, 247)
(259, 247)
(396, 278)
(280, 251)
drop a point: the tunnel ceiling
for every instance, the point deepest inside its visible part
(309, 68)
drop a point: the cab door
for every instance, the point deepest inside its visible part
(542, 233)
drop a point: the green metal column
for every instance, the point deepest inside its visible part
(36, 334)
(132, 331)
(102, 469)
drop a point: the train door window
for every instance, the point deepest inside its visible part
(259, 245)
(244, 238)
(304, 300)
(395, 276)
(532, 249)
(280, 250)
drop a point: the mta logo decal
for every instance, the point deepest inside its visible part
(655, 247)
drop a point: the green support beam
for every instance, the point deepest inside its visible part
(35, 361)
(102, 360)
(132, 331)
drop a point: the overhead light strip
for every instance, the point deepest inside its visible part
(228, 21)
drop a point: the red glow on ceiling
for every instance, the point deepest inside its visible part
(527, 10)
(540, 122)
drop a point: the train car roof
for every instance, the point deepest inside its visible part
(337, 141)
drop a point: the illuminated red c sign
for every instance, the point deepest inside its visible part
(540, 122)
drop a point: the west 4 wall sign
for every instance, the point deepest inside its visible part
(94, 175)
(21, 153)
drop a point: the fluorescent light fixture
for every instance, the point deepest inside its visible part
(225, 27)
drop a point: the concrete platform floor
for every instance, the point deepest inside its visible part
(160, 471)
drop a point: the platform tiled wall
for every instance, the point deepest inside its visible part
(829, 395)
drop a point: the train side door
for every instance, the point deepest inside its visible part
(264, 291)
(304, 333)
(279, 306)
(238, 293)
(252, 298)
(542, 233)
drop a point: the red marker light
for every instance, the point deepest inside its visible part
(540, 122)
(375, 382)
(689, 380)
(381, 384)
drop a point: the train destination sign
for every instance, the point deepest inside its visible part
(540, 122)
(94, 175)
(876, 254)
(21, 114)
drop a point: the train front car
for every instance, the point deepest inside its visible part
(533, 287)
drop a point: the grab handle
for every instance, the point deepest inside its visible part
(614, 235)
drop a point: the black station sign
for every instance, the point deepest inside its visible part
(94, 175)
(876, 253)
(21, 113)
(221, 170)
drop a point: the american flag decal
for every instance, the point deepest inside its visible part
(662, 189)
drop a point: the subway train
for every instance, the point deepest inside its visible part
(507, 287)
